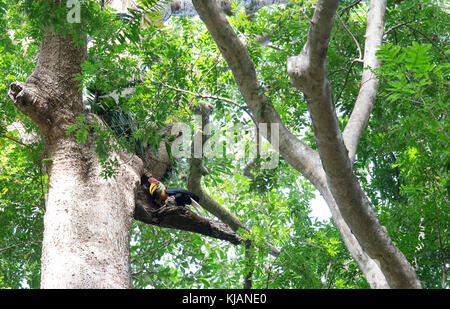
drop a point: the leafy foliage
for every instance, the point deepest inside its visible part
(411, 170)
(404, 153)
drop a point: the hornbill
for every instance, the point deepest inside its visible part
(182, 197)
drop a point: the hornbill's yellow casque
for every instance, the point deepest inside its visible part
(182, 197)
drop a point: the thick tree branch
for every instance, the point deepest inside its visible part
(296, 153)
(369, 83)
(307, 72)
(172, 216)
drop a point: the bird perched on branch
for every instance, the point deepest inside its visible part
(182, 197)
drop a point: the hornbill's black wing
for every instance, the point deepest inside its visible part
(182, 196)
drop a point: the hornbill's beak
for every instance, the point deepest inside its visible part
(153, 187)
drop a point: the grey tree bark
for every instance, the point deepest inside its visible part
(87, 219)
(308, 74)
(330, 170)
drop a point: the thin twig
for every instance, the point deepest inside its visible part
(15, 174)
(207, 73)
(207, 96)
(335, 71)
(346, 78)
(353, 37)
(202, 96)
(438, 226)
(19, 244)
(16, 141)
(397, 26)
(341, 12)
(432, 114)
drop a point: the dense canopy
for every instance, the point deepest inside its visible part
(146, 71)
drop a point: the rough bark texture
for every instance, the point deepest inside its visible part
(88, 219)
(308, 73)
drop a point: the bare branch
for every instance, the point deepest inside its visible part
(198, 95)
(432, 42)
(172, 216)
(342, 11)
(206, 96)
(307, 73)
(346, 79)
(353, 37)
(369, 82)
(16, 141)
(20, 244)
(399, 25)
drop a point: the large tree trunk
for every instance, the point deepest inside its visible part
(88, 220)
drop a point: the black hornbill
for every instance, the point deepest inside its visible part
(182, 196)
